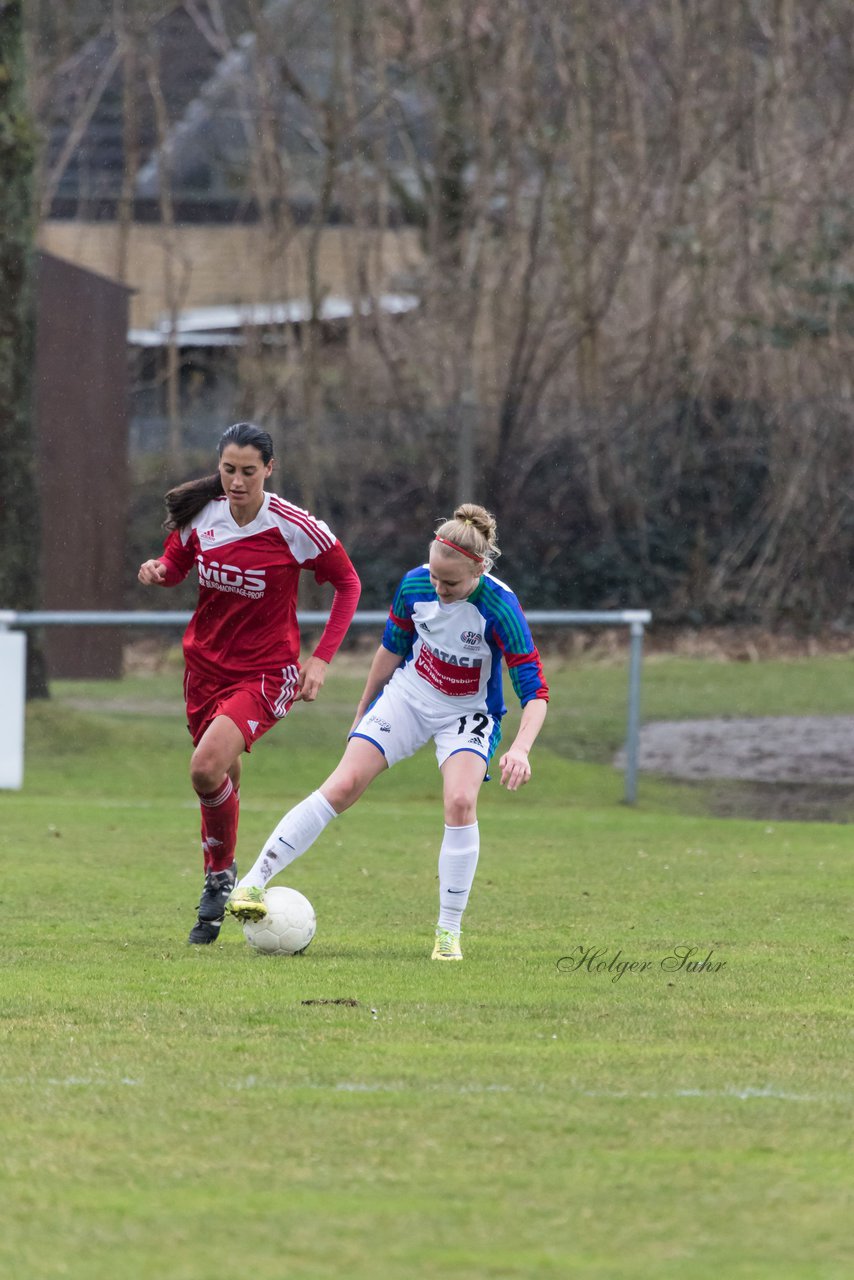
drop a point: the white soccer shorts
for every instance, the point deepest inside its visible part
(399, 727)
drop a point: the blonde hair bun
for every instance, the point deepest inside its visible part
(474, 530)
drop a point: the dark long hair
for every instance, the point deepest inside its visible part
(186, 500)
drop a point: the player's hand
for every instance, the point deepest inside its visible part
(310, 680)
(152, 573)
(515, 769)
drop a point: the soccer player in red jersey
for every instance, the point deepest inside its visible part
(241, 647)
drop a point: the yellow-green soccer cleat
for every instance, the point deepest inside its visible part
(247, 903)
(447, 946)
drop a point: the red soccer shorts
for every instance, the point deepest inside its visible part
(253, 704)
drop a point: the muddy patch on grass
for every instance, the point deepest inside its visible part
(796, 768)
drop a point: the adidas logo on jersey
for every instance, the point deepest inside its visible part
(208, 533)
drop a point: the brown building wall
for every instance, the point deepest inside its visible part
(193, 266)
(81, 414)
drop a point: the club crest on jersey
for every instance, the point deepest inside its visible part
(470, 638)
(228, 577)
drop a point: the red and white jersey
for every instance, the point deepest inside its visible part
(245, 620)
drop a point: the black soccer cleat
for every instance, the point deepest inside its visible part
(205, 931)
(218, 886)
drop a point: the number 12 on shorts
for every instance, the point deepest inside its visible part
(479, 726)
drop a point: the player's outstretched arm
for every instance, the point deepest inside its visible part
(514, 764)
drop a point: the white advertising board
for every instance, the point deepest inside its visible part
(13, 651)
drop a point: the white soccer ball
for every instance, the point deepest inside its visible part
(288, 926)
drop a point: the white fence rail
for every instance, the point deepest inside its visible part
(12, 690)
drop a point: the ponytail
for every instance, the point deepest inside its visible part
(186, 500)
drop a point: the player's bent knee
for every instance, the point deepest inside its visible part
(355, 773)
(344, 789)
(460, 809)
(205, 776)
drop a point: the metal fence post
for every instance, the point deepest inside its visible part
(636, 629)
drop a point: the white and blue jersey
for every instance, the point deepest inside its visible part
(452, 652)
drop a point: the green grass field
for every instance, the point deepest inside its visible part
(359, 1111)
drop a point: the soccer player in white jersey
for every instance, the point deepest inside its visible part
(437, 674)
(241, 647)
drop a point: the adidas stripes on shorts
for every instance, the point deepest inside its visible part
(254, 704)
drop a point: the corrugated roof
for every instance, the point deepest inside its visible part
(222, 326)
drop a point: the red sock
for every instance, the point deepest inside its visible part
(219, 826)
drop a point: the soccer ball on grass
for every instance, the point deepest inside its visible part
(288, 926)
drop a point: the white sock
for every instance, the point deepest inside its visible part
(296, 832)
(457, 865)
